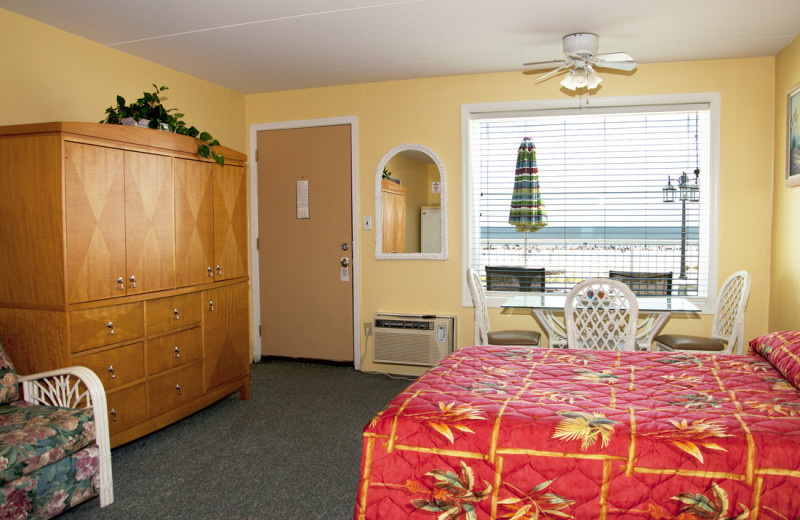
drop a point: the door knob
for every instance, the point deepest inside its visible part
(345, 246)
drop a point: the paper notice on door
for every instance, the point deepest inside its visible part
(302, 199)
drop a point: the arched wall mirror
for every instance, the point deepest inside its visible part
(410, 205)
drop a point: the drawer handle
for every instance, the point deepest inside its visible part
(111, 369)
(110, 328)
(121, 284)
(113, 413)
(177, 314)
(177, 352)
(210, 272)
(219, 270)
(178, 388)
(133, 282)
(211, 303)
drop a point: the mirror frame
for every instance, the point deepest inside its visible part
(378, 221)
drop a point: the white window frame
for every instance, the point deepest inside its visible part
(469, 111)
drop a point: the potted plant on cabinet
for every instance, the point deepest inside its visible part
(149, 111)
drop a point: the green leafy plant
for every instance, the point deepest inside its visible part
(150, 107)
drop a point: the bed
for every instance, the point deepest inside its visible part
(534, 433)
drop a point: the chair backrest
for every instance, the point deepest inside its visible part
(512, 278)
(482, 327)
(645, 284)
(728, 323)
(601, 314)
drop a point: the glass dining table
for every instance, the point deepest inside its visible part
(546, 308)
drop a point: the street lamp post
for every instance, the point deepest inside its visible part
(686, 193)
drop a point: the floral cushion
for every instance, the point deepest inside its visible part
(9, 385)
(51, 490)
(33, 436)
(782, 350)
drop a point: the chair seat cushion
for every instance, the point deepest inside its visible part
(514, 337)
(682, 342)
(33, 436)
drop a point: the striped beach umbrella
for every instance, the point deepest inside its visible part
(527, 211)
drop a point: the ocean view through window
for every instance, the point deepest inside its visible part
(601, 174)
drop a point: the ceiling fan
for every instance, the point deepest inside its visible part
(580, 56)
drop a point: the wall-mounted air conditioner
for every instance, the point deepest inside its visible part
(409, 339)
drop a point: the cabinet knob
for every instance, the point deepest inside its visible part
(211, 305)
(110, 327)
(219, 270)
(111, 369)
(177, 314)
(178, 388)
(177, 352)
(121, 284)
(113, 413)
(133, 282)
(210, 272)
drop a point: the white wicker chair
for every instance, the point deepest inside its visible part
(727, 330)
(483, 330)
(601, 314)
(74, 387)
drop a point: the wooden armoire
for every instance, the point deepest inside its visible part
(125, 251)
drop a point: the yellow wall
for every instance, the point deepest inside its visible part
(785, 282)
(52, 75)
(427, 111)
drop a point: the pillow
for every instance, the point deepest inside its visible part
(782, 350)
(9, 384)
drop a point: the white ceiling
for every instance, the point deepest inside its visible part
(267, 45)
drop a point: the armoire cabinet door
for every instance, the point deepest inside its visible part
(230, 222)
(194, 223)
(95, 202)
(149, 223)
(226, 334)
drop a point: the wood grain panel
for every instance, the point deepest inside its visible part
(30, 173)
(95, 200)
(227, 348)
(117, 366)
(194, 223)
(92, 328)
(230, 222)
(165, 314)
(149, 223)
(35, 340)
(175, 387)
(126, 407)
(174, 350)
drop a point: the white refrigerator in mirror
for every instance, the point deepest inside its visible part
(430, 232)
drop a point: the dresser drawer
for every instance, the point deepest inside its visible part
(174, 350)
(93, 328)
(116, 367)
(126, 407)
(165, 314)
(175, 387)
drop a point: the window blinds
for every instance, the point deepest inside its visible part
(601, 175)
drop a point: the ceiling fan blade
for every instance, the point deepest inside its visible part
(614, 56)
(553, 72)
(618, 65)
(542, 65)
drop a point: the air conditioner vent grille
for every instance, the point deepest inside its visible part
(412, 340)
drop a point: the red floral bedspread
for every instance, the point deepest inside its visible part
(492, 432)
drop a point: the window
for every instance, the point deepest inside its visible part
(618, 190)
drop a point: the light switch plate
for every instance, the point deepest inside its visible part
(367, 223)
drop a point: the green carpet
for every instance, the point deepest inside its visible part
(290, 452)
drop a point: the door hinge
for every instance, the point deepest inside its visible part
(259, 331)
(256, 154)
(257, 246)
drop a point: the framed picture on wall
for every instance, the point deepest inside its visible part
(793, 136)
